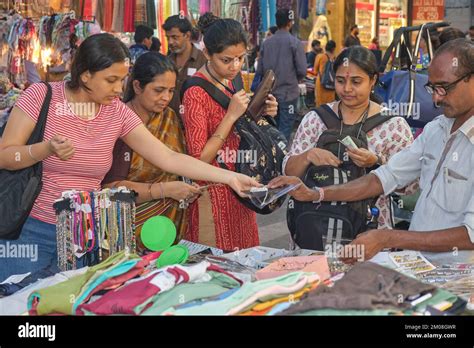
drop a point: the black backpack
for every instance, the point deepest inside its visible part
(263, 139)
(308, 222)
(329, 76)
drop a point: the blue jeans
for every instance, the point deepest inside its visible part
(286, 116)
(35, 250)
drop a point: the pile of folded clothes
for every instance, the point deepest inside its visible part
(126, 284)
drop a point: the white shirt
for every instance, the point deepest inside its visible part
(444, 163)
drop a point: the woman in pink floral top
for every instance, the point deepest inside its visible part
(356, 72)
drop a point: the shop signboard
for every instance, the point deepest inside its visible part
(428, 11)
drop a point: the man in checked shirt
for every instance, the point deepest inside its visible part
(442, 157)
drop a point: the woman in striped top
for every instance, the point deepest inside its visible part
(85, 119)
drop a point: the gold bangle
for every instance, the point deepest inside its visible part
(218, 136)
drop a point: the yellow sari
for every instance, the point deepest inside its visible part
(167, 128)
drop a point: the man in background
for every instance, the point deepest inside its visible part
(353, 38)
(143, 41)
(284, 54)
(315, 50)
(187, 57)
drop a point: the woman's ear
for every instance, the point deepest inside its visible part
(206, 53)
(136, 87)
(85, 77)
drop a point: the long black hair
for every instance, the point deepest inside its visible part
(223, 33)
(146, 68)
(97, 52)
(364, 59)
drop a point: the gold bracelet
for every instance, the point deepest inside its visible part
(218, 136)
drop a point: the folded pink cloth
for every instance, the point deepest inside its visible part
(317, 264)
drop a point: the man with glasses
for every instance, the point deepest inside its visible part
(442, 157)
(182, 52)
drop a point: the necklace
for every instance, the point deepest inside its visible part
(216, 80)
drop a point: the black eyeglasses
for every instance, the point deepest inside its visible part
(442, 90)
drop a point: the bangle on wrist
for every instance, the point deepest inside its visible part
(31, 155)
(162, 191)
(149, 192)
(321, 194)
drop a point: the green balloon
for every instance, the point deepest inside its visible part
(158, 233)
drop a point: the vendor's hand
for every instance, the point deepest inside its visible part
(271, 107)
(371, 242)
(238, 105)
(239, 182)
(179, 190)
(321, 157)
(61, 147)
(362, 157)
(302, 193)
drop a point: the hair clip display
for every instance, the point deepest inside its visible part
(90, 222)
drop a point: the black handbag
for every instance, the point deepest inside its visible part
(20, 188)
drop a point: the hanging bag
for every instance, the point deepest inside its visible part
(20, 188)
(402, 88)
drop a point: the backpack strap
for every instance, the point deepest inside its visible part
(220, 97)
(375, 121)
(328, 116)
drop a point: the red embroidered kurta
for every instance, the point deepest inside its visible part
(235, 225)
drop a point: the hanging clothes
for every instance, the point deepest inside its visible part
(183, 7)
(254, 22)
(204, 6)
(129, 16)
(108, 15)
(151, 13)
(268, 11)
(86, 8)
(321, 7)
(284, 4)
(303, 9)
(99, 13)
(160, 7)
(118, 18)
(140, 13)
(216, 7)
(174, 7)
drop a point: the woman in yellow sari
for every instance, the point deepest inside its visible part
(149, 91)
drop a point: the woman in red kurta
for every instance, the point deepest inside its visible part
(218, 218)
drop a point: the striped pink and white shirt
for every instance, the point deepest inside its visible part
(92, 139)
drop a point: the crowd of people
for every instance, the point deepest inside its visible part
(153, 133)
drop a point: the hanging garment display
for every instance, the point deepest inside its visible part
(151, 13)
(108, 14)
(321, 7)
(321, 31)
(183, 7)
(140, 13)
(118, 18)
(204, 6)
(129, 16)
(268, 11)
(87, 223)
(303, 9)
